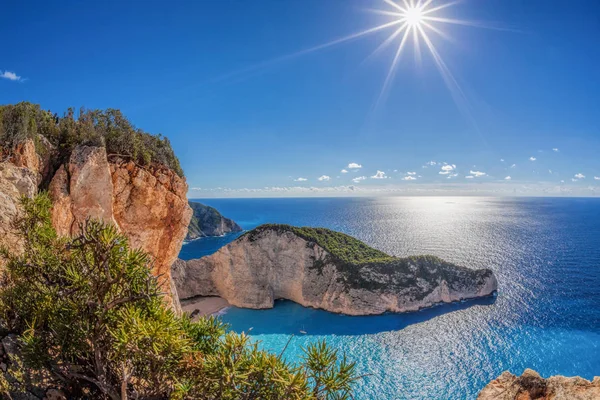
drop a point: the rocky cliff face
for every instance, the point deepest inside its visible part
(531, 386)
(14, 182)
(277, 263)
(207, 221)
(148, 204)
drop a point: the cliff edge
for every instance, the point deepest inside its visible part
(320, 268)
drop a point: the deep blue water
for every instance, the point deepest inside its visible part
(546, 316)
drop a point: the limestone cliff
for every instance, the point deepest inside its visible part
(323, 269)
(147, 204)
(531, 386)
(207, 221)
(14, 182)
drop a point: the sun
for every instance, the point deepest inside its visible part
(413, 16)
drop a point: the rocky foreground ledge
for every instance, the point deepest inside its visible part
(320, 268)
(531, 386)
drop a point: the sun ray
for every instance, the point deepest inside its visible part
(393, 4)
(441, 33)
(392, 70)
(474, 24)
(440, 7)
(460, 99)
(416, 45)
(385, 12)
(386, 42)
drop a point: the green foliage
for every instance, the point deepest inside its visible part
(88, 310)
(343, 247)
(109, 128)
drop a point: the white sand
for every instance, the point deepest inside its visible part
(201, 306)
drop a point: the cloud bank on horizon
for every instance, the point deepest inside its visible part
(479, 182)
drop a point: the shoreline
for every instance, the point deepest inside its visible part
(203, 305)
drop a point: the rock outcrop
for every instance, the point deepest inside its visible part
(531, 386)
(15, 182)
(323, 269)
(149, 204)
(207, 221)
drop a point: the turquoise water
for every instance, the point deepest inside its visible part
(546, 316)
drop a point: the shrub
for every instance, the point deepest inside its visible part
(109, 128)
(88, 311)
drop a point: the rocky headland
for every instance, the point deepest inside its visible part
(531, 386)
(207, 221)
(328, 270)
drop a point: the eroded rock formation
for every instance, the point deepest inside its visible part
(148, 204)
(14, 182)
(276, 262)
(531, 386)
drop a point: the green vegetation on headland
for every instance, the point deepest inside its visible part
(90, 318)
(108, 128)
(343, 247)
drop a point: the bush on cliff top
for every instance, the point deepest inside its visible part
(109, 128)
(89, 312)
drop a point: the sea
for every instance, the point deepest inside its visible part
(545, 253)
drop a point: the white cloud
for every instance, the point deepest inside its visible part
(477, 174)
(549, 171)
(555, 150)
(452, 176)
(10, 76)
(324, 178)
(354, 165)
(469, 177)
(508, 178)
(580, 176)
(196, 188)
(514, 166)
(430, 163)
(446, 169)
(574, 180)
(300, 180)
(532, 158)
(379, 175)
(597, 178)
(358, 179)
(409, 178)
(502, 160)
(411, 173)
(344, 171)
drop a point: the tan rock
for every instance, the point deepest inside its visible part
(253, 273)
(149, 205)
(85, 192)
(531, 386)
(15, 182)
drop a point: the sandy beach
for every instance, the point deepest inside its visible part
(201, 306)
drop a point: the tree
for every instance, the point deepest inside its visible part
(88, 311)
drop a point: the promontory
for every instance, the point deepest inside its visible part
(324, 269)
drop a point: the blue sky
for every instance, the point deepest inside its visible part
(245, 120)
